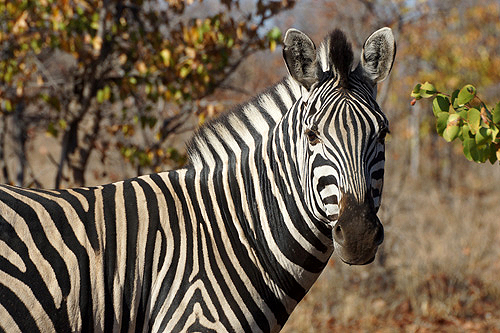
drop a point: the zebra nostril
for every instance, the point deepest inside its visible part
(338, 234)
(379, 236)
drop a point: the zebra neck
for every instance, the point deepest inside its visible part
(248, 200)
(241, 129)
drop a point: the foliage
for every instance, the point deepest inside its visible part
(116, 63)
(462, 50)
(462, 114)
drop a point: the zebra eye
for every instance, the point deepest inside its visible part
(312, 136)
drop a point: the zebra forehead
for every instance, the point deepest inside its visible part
(333, 100)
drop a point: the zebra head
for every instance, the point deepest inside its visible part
(341, 130)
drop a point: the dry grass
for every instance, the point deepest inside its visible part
(438, 267)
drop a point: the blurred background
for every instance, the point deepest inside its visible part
(98, 91)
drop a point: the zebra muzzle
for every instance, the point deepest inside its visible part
(358, 232)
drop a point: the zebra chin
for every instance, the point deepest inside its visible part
(351, 259)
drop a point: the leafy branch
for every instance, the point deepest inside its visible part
(107, 73)
(462, 114)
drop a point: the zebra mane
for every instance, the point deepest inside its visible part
(261, 111)
(335, 54)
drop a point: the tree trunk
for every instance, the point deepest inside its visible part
(415, 140)
(78, 156)
(3, 164)
(19, 138)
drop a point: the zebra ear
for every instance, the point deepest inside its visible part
(299, 53)
(378, 55)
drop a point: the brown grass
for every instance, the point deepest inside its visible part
(438, 268)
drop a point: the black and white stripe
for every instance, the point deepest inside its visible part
(231, 242)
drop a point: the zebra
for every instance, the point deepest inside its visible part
(233, 240)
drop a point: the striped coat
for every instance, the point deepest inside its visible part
(231, 242)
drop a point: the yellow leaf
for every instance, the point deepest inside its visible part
(184, 72)
(122, 58)
(63, 124)
(97, 43)
(20, 24)
(194, 34)
(87, 38)
(185, 34)
(272, 45)
(190, 52)
(8, 105)
(141, 67)
(166, 56)
(211, 110)
(201, 119)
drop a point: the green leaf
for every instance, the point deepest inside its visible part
(496, 114)
(465, 132)
(100, 96)
(453, 119)
(440, 104)
(63, 124)
(429, 87)
(492, 154)
(467, 145)
(454, 98)
(416, 91)
(462, 112)
(474, 119)
(274, 34)
(441, 122)
(475, 153)
(494, 133)
(452, 128)
(466, 94)
(497, 152)
(482, 136)
(184, 72)
(52, 130)
(427, 90)
(106, 92)
(484, 152)
(8, 105)
(52, 101)
(451, 133)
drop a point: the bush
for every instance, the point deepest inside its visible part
(465, 116)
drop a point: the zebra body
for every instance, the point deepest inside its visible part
(231, 242)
